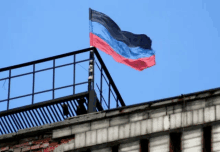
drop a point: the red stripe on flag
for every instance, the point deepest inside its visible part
(138, 64)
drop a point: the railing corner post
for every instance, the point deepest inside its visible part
(92, 95)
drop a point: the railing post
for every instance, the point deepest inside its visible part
(53, 78)
(101, 87)
(74, 73)
(109, 95)
(33, 85)
(9, 88)
(92, 95)
(91, 71)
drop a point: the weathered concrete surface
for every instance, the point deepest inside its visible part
(216, 137)
(108, 149)
(201, 100)
(130, 147)
(91, 138)
(192, 140)
(115, 125)
(102, 135)
(159, 143)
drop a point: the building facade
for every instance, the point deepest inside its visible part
(187, 123)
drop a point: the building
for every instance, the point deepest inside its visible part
(184, 123)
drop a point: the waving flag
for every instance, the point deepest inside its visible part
(125, 47)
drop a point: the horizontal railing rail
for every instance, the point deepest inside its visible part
(35, 113)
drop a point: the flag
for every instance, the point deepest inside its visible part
(125, 47)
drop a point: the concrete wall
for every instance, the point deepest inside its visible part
(130, 147)
(192, 140)
(160, 143)
(40, 143)
(108, 149)
(137, 124)
(131, 123)
(216, 138)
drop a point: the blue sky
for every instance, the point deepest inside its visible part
(185, 35)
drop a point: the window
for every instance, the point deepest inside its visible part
(115, 148)
(207, 139)
(175, 142)
(144, 145)
(88, 150)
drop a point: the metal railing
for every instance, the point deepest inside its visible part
(50, 110)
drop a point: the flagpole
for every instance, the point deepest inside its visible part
(91, 61)
(90, 27)
(92, 95)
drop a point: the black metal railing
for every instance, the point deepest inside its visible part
(34, 72)
(49, 109)
(111, 92)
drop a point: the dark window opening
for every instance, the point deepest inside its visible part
(175, 142)
(207, 139)
(88, 150)
(144, 145)
(115, 148)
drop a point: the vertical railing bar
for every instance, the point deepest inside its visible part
(62, 110)
(39, 120)
(0, 128)
(59, 110)
(50, 107)
(85, 104)
(9, 84)
(16, 123)
(104, 101)
(12, 123)
(19, 122)
(109, 77)
(25, 126)
(76, 103)
(7, 126)
(101, 88)
(114, 95)
(28, 114)
(59, 118)
(101, 97)
(93, 69)
(24, 113)
(43, 115)
(46, 115)
(73, 107)
(33, 84)
(65, 102)
(33, 118)
(74, 71)
(1, 120)
(50, 114)
(53, 76)
(87, 99)
(43, 122)
(32, 110)
(69, 109)
(109, 95)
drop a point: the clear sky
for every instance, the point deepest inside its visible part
(185, 35)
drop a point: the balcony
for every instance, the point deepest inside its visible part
(55, 88)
